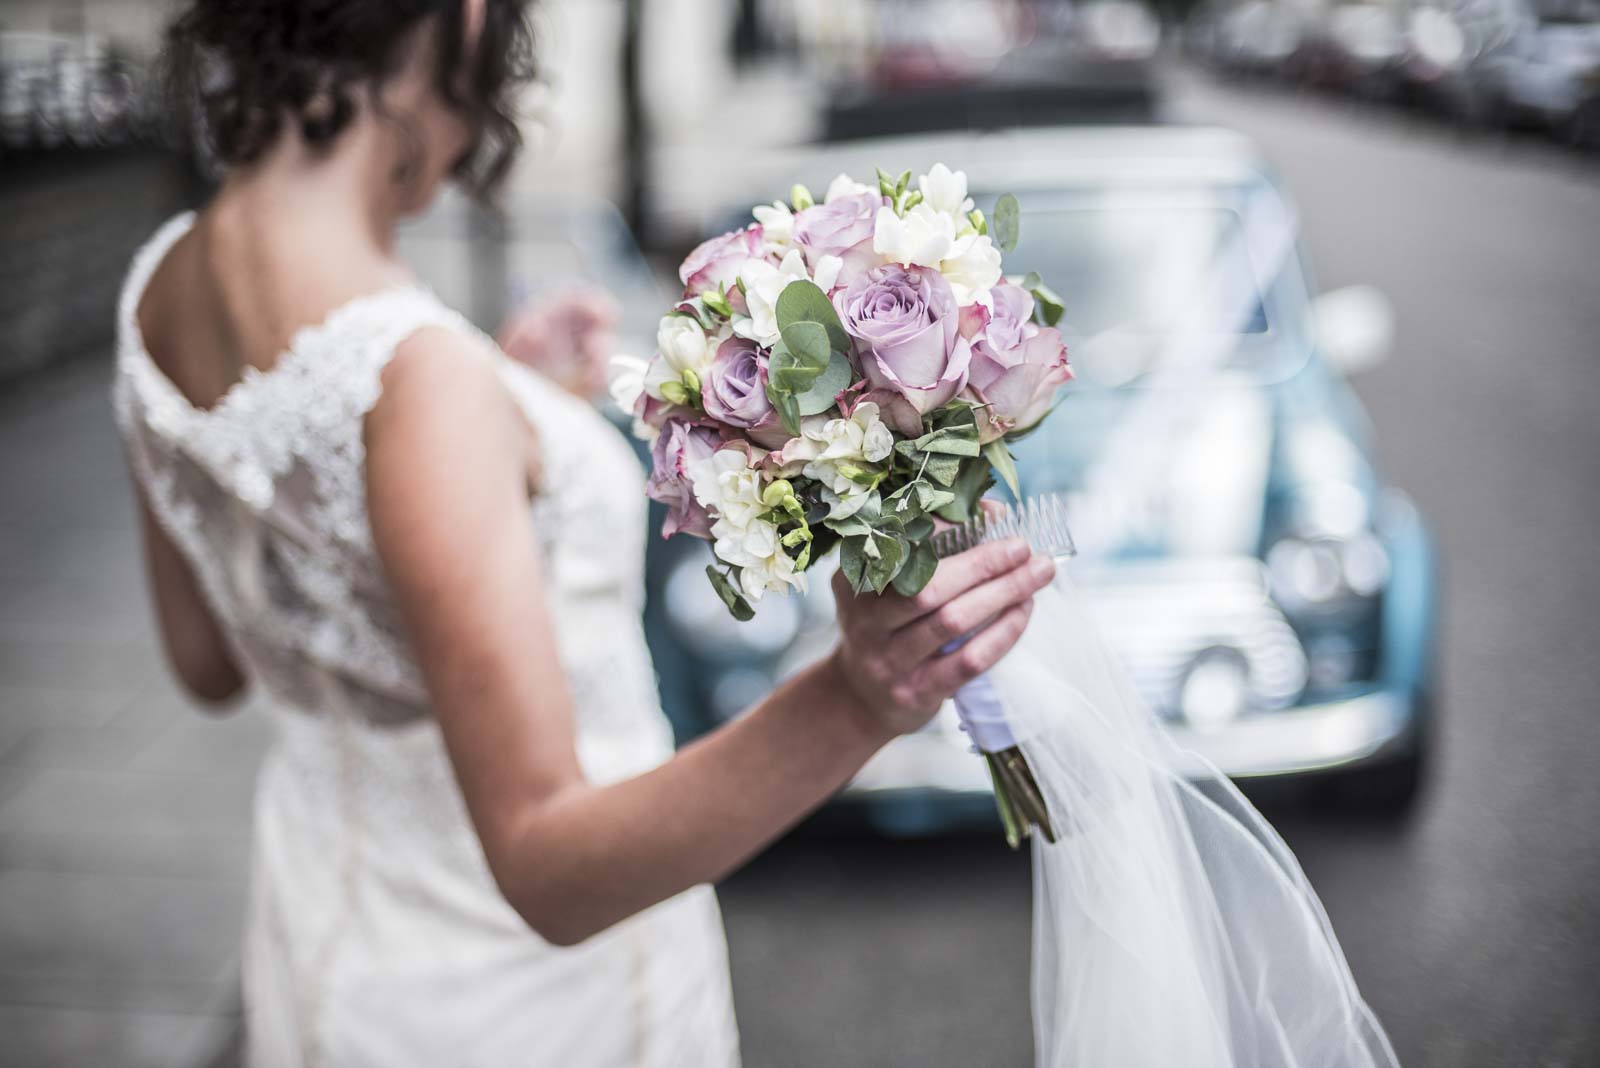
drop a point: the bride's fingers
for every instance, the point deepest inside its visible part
(955, 576)
(944, 675)
(967, 612)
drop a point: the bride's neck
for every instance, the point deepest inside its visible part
(347, 194)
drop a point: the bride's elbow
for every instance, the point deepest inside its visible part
(550, 911)
(555, 921)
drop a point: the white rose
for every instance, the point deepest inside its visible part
(945, 190)
(777, 226)
(845, 186)
(972, 268)
(683, 345)
(921, 238)
(762, 285)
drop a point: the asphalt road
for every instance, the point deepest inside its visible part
(1473, 927)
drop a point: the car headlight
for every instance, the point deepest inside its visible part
(1215, 689)
(702, 622)
(1327, 571)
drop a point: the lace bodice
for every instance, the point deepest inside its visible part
(264, 494)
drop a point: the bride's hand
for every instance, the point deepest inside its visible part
(567, 336)
(889, 655)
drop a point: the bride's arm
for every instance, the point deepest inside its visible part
(447, 494)
(194, 644)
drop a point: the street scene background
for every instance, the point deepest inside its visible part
(1469, 919)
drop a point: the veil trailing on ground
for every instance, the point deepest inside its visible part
(1172, 926)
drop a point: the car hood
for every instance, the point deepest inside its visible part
(1158, 472)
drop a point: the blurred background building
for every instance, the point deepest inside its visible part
(1353, 568)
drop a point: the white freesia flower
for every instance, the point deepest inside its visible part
(845, 186)
(830, 450)
(727, 486)
(683, 344)
(762, 285)
(777, 226)
(972, 268)
(922, 238)
(625, 380)
(945, 191)
(756, 549)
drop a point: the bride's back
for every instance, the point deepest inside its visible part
(241, 391)
(234, 290)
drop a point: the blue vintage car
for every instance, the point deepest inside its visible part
(1272, 597)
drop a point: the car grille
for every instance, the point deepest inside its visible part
(1160, 616)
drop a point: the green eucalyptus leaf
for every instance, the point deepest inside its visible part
(1051, 306)
(953, 443)
(943, 469)
(820, 396)
(884, 564)
(931, 498)
(786, 405)
(807, 343)
(737, 605)
(919, 529)
(1000, 459)
(1048, 307)
(919, 568)
(853, 560)
(969, 487)
(851, 526)
(1007, 216)
(803, 301)
(841, 508)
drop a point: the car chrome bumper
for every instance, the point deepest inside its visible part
(1308, 738)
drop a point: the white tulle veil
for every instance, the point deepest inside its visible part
(1172, 926)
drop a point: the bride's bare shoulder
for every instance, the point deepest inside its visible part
(443, 393)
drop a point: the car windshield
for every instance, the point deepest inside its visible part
(1156, 280)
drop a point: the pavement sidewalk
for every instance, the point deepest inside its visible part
(124, 813)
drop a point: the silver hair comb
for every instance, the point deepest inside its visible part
(1040, 521)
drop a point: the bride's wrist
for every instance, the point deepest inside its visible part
(855, 714)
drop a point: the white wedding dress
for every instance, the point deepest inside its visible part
(376, 935)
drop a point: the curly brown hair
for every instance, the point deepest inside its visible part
(249, 66)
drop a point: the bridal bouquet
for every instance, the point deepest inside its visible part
(844, 373)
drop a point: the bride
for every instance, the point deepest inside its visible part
(474, 844)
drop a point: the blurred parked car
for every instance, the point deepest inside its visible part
(1548, 74)
(1355, 46)
(1271, 595)
(1258, 37)
(1452, 49)
(968, 64)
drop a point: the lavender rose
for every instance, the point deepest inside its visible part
(833, 228)
(717, 261)
(906, 323)
(735, 392)
(1017, 365)
(677, 446)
